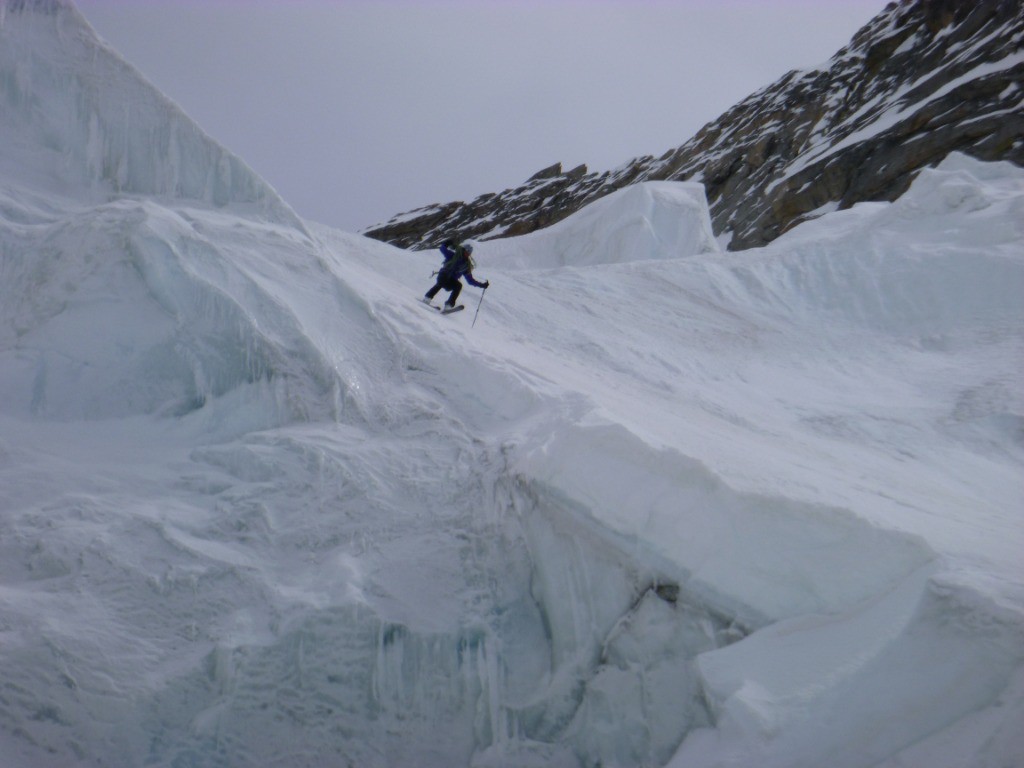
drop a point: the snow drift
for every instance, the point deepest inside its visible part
(661, 505)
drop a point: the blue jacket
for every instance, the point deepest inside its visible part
(457, 264)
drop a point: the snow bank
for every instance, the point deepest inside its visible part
(653, 220)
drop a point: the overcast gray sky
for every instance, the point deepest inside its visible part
(355, 110)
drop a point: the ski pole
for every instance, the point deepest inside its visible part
(478, 306)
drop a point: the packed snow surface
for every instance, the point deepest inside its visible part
(643, 503)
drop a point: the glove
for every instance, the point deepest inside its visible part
(487, 284)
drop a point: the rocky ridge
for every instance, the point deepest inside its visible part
(922, 79)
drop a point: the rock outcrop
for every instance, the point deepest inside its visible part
(923, 79)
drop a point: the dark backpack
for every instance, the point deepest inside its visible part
(459, 263)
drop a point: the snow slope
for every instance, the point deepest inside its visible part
(660, 505)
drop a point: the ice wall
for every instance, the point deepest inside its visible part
(622, 634)
(75, 116)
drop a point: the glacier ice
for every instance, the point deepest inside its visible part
(76, 116)
(660, 506)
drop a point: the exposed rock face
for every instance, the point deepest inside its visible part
(924, 78)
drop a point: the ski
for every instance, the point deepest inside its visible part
(443, 310)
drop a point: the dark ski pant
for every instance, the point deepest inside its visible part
(452, 284)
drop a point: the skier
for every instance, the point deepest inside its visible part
(457, 264)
